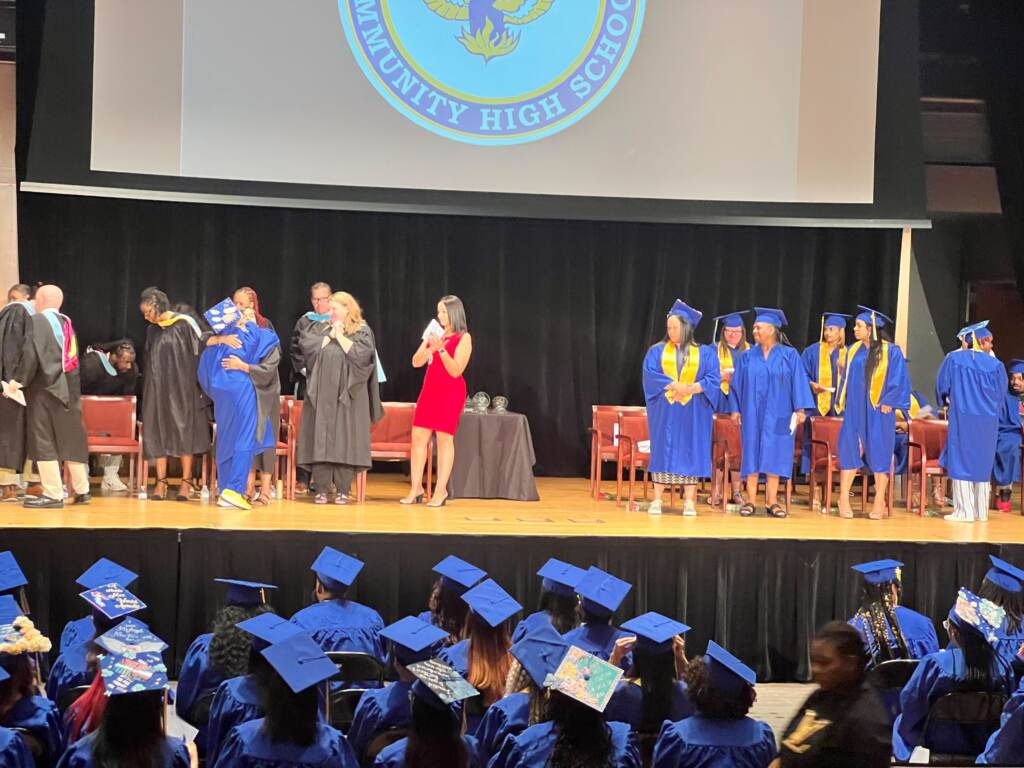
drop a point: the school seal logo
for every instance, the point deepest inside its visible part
(493, 72)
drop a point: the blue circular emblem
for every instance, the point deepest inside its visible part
(493, 72)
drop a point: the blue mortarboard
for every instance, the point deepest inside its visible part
(112, 600)
(414, 639)
(684, 311)
(77, 632)
(834, 319)
(268, 628)
(879, 571)
(560, 578)
(975, 614)
(980, 331)
(1005, 575)
(654, 632)
(867, 315)
(9, 609)
(458, 575)
(4, 675)
(770, 316)
(602, 593)
(299, 661)
(335, 569)
(540, 653)
(105, 571)
(11, 575)
(491, 603)
(1015, 366)
(731, 320)
(134, 673)
(727, 673)
(440, 686)
(245, 592)
(129, 638)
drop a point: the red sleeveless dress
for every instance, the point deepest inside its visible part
(443, 396)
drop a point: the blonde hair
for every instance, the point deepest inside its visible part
(354, 321)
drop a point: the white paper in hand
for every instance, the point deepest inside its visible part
(14, 394)
(433, 329)
(792, 424)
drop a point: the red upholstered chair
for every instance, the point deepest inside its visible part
(632, 430)
(603, 448)
(925, 441)
(111, 427)
(281, 450)
(825, 463)
(726, 454)
(391, 440)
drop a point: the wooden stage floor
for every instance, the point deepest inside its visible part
(565, 510)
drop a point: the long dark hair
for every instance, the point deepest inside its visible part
(456, 313)
(713, 702)
(229, 648)
(593, 619)
(435, 738)
(1011, 602)
(979, 659)
(658, 678)
(289, 717)
(584, 740)
(131, 732)
(448, 611)
(877, 613)
(561, 609)
(685, 332)
(874, 355)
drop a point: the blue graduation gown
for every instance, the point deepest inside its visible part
(70, 670)
(918, 631)
(40, 718)
(974, 384)
(508, 716)
(936, 675)
(599, 640)
(900, 452)
(343, 625)
(457, 656)
(864, 426)
(727, 402)
(237, 701)
(1006, 469)
(627, 704)
(1008, 644)
(809, 358)
(531, 623)
(379, 710)
(247, 747)
(1006, 745)
(13, 752)
(700, 742)
(769, 391)
(77, 631)
(197, 677)
(533, 747)
(681, 434)
(393, 756)
(79, 754)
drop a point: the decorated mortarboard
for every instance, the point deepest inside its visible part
(1015, 366)
(491, 603)
(975, 614)
(540, 653)
(601, 592)
(77, 632)
(414, 639)
(1005, 575)
(19, 636)
(834, 319)
(770, 316)
(300, 661)
(221, 315)
(335, 569)
(9, 609)
(458, 575)
(11, 575)
(105, 571)
(560, 578)
(438, 685)
(112, 600)
(245, 592)
(685, 312)
(133, 674)
(727, 673)
(268, 628)
(654, 632)
(130, 638)
(879, 571)
(980, 330)
(585, 678)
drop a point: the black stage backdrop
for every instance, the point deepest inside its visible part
(561, 311)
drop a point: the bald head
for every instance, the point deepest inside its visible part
(48, 297)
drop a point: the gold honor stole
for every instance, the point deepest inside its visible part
(725, 361)
(825, 375)
(687, 376)
(175, 318)
(877, 378)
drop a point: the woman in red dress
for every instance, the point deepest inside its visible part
(441, 400)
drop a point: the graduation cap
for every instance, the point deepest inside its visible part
(414, 639)
(1015, 366)
(112, 601)
(602, 593)
(971, 613)
(560, 578)
(728, 320)
(585, 678)
(129, 638)
(685, 312)
(654, 632)
(4, 675)
(9, 609)
(133, 673)
(300, 661)
(105, 571)
(335, 569)
(438, 685)
(245, 592)
(727, 673)
(491, 603)
(77, 632)
(1005, 575)
(879, 571)
(540, 653)
(770, 316)
(11, 575)
(457, 575)
(268, 628)
(834, 320)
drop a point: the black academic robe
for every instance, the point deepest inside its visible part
(53, 418)
(268, 393)
(343, 400)
(296, 356)
(15, 331)
(96, 380)
(175, 412)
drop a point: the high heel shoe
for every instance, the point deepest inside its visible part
(159, 496)
(432, 505)
(182, 496)
(415, 500)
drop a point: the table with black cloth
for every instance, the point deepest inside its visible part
(493, 458)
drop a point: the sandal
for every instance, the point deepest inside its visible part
(776, 510)
(159, 496)
(320, 498)
(340, 499)
(746, 509)
(182, 496)
(259, 500)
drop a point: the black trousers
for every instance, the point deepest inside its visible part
(339, 475)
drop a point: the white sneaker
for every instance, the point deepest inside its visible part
(654, 508)
(689, 510)
(113, 484)
(957, 517)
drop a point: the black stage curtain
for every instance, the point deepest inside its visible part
(561, 311)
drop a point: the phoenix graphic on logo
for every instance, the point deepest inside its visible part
(488, 34)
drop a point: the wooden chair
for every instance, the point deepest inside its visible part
(281, 451)
(294, 423)
(603, 444)
(825, 463)
(391, 440)
(726, 454)
(112, 427)
(632, 430)
(926, 437)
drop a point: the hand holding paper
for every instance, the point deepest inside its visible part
(433, 329)
(12, 391)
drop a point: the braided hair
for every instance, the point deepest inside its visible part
(261, 321)
(877, 614)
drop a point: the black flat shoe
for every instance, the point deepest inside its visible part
(43, 502)
(82, 498)
(776, 510)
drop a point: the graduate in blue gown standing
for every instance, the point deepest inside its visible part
(1006, 469)
(601, 594)
(874, 386)
(681, 389)
(772, 395)
(446, 608)
(719, 734)
(20, 707)
(1004, 585)
(291, 732)
(824, 361)
(730, 342)
(558, 601)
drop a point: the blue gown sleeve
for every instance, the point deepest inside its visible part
(1006, 744)
(378, 642)
(492, 726)
(737, 382)
(943, 381)
(365, 724)
(800, 385)
(508, 755)
(655, 379)
(631, 756)
(215, 729)
(13, 752)
(230, 753)
(190, 678)
(810, 360)
(915, 701)
(181, 758)
(711, 381)
(666, 748)
(896, 392)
